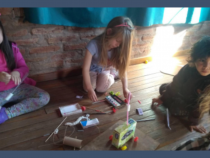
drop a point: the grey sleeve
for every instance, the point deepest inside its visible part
(92, 47)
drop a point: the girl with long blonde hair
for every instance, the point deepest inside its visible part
(107, 57)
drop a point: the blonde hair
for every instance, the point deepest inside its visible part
(121, 55)
(204, 101)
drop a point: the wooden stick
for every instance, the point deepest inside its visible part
(95, 110)
(167, 117)
(99, 101)
(55, 129)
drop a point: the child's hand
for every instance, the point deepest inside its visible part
(92, 95)
(16, 77)
(126, 93)
(156, 102)
(5, 77)
(199, 128)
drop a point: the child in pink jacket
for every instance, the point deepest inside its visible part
(13, 68)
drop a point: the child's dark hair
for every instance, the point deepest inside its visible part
(200, 50)
(6, 48)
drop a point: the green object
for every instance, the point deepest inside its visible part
(112, 93)
(124, 133)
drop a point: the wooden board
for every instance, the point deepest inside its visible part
(102, 142)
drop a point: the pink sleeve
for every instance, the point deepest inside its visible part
(21, 66)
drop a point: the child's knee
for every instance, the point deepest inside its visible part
(44, 98)
(102, 87)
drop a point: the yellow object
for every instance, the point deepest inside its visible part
(123, 133)
(117, 94)
(124, 147)
(146, 61)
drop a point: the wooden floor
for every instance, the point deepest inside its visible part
(29, 131)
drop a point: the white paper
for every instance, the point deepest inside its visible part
(79, 97)
(70, 108)
(92, 122)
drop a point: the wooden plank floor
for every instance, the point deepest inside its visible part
(29, 131)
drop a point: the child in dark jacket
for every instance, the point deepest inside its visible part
(189, 92)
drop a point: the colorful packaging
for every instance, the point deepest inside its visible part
(89, 123)
(124, 133)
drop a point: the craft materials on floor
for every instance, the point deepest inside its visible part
(95, 113)
(139, 111)
(56, 130)
(72, 142)
(124, 148)
(115, 101)
(89, 123)
(128, 106)
(79, 97)
(99, 101)
(85, 124)
(67, 140)
(78, 120)
(124, 133)
(167, 117)
(104, 140)
(99, 111)
(112, 93)
(70, 109)
(121, 134)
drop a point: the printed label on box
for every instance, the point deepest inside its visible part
(124, 133)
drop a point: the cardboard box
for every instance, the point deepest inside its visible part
(124, 133)
(70, 109)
